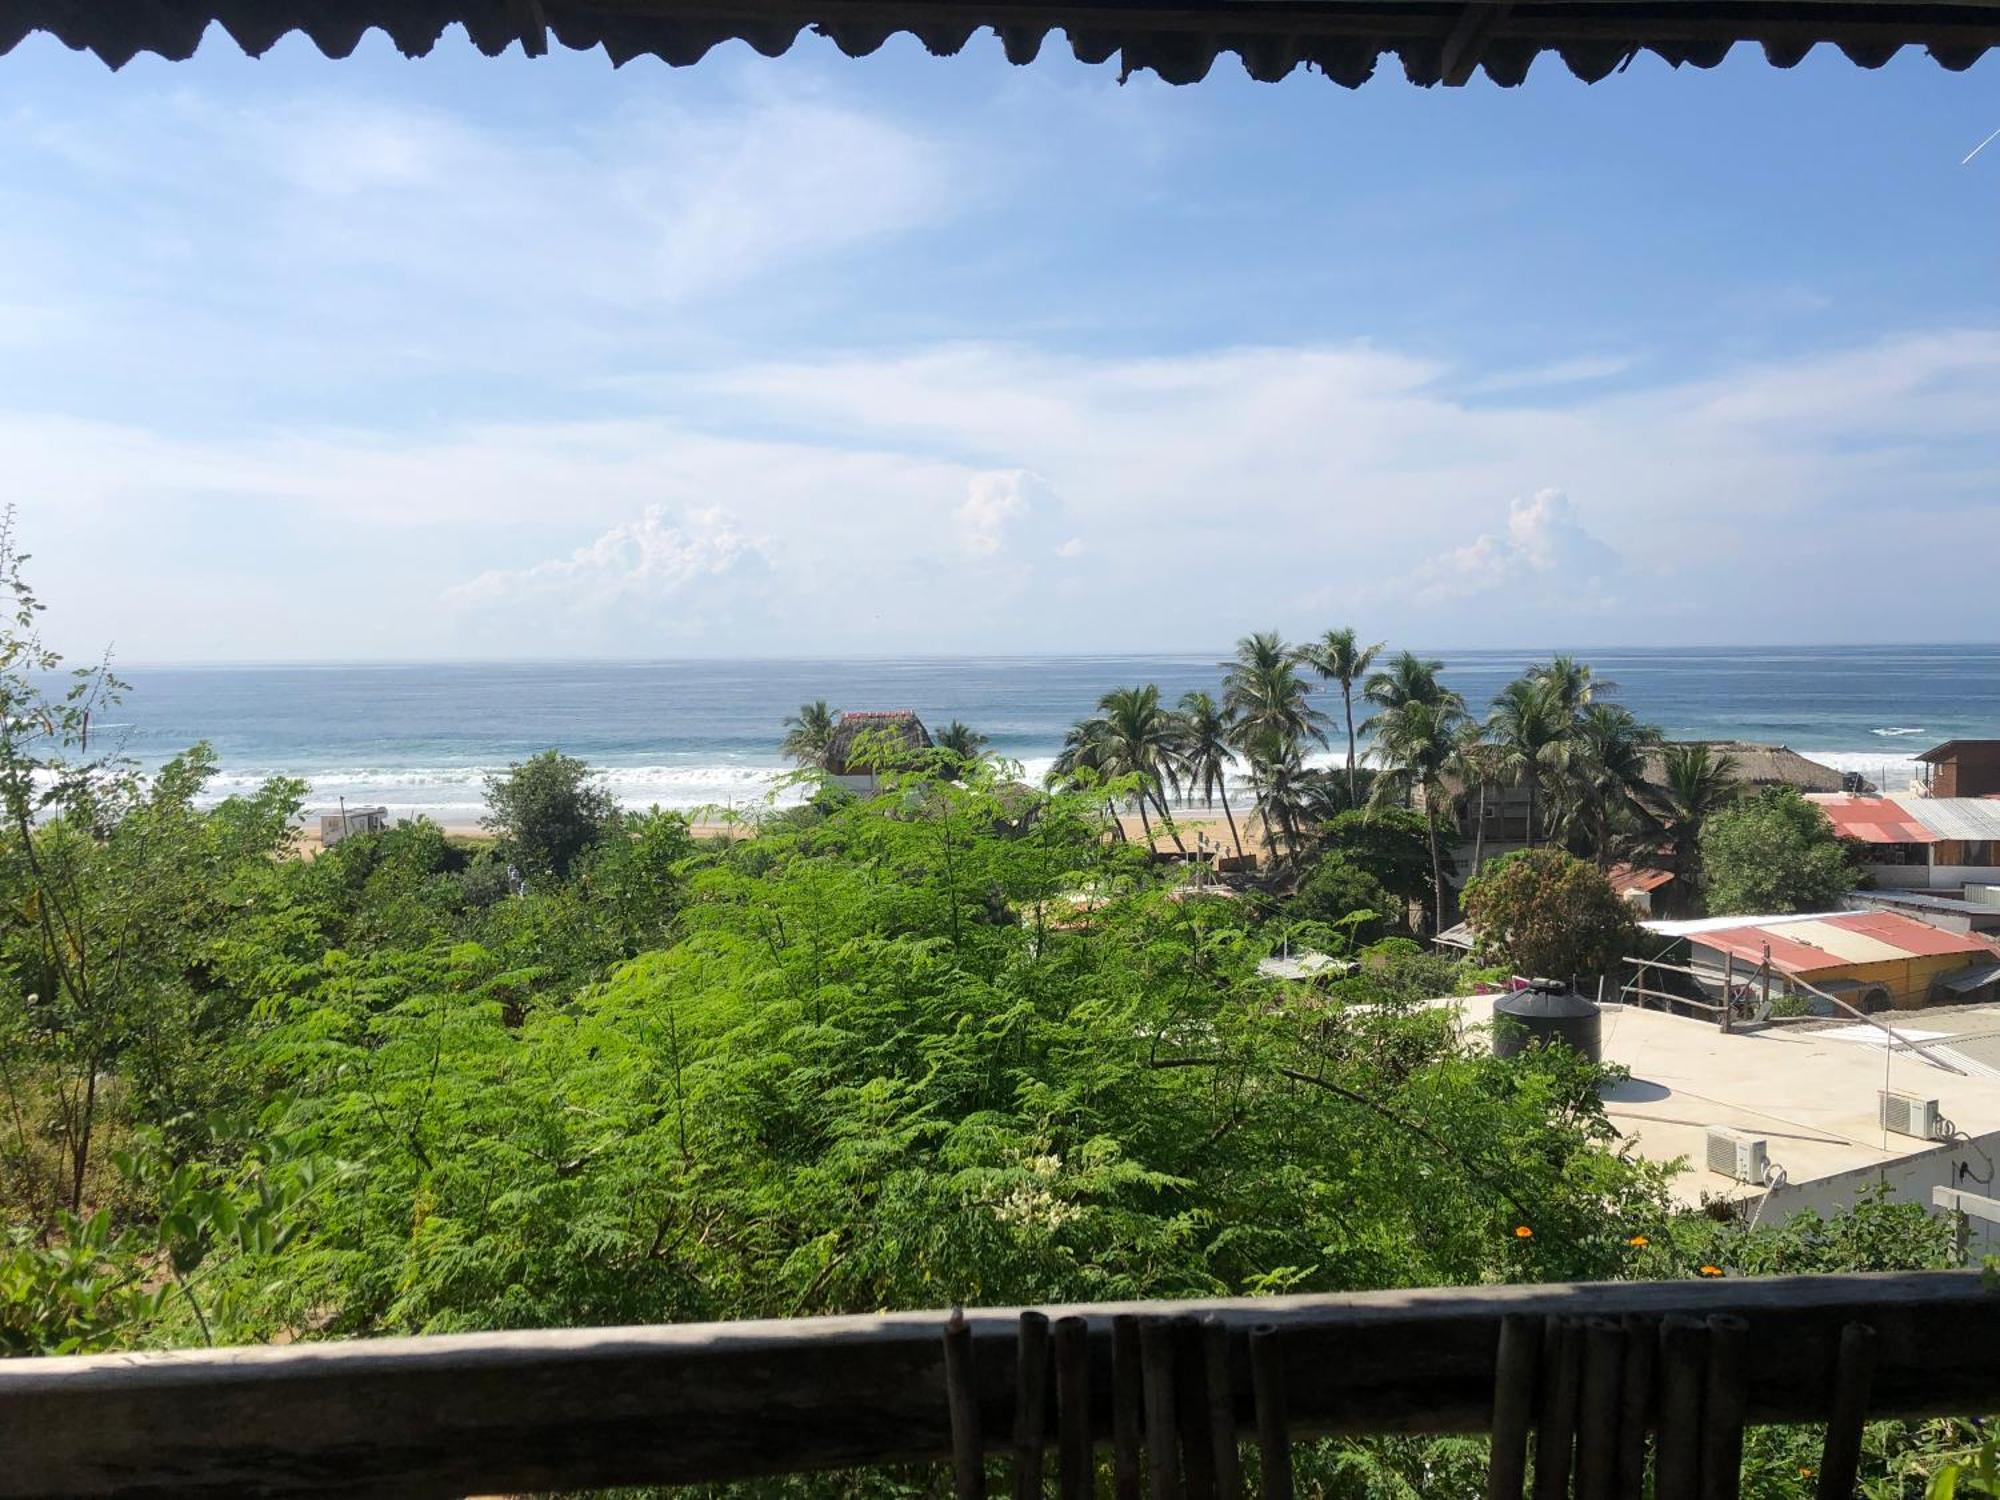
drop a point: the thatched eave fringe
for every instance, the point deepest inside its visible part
(1343, 39)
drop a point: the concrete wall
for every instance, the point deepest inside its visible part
(1909, 1180)
(1931, 877)
(1953, 876)
(1900, 877)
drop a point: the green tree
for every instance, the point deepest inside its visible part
(1338, 656)
(961, 741)
(1271, 707)
(1573, 684)
(1697, 784)
(1774, 852)
(1472, 771)
(1409, 678)
(1202, 746)
(809, 734)
(1530, 727)
(1139, 740)
(1600, 795)
(1335, 890)
(1392, 844)
(547, 810)
(1547, 914)
(1415, 743)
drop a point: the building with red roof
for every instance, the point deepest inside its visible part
(1873, 960)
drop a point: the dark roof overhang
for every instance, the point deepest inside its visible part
(1436, 41)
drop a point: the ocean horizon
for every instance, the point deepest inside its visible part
(421, 737)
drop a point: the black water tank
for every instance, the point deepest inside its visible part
(1546, 1011)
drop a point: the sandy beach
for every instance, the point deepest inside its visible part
(1200, 828)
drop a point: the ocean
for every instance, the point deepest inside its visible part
(422, 738)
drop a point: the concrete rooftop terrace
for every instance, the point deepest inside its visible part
(1809, 1091)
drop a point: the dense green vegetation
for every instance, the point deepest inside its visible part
(944, 1045)
(1774, 852)
(1553, 737)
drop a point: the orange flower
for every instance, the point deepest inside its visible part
(1805, 1472)
(1638, 1242)
(1711, 1270)
(1523, 1232)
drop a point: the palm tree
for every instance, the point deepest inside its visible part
(1575, 684)
(1408, 678)
(1696, 784)
(1139, 740)
(1271, 706)
(1263, 691)
(1531, 728)
(1473, 768)
(809, 734)
(961, 740)
(1338, 657)
(1081, 763)
(1277, 772)
(1415, 743)
(1203, 749)
(1607, 774)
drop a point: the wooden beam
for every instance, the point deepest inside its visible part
(597, 1408)
(1972, 1205)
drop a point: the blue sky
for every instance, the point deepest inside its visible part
(471, 357)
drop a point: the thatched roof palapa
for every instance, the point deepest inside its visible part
(866, 742)
(1755, 765)
(1436, 41)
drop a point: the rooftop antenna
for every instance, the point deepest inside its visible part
(1980, 147)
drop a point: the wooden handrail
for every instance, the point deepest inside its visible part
(588, 1408)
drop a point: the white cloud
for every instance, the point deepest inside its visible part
(652, 562)
(1545, 545)
(1579, 370)
(1011, 512)
(372, 229)
(988, 496)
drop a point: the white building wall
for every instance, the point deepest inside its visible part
(1909, 1180)
(1954, 876)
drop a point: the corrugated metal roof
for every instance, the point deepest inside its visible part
(1435, 40)
(1845, 943)
(1625, 878)
(1871, 820)
(1841, 940)
(1973, 979)
(1697, 926)
(1956, 818)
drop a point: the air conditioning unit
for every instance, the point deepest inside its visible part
(1738, 1154)
(1910, 1114)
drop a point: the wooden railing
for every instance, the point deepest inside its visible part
(580, 1409)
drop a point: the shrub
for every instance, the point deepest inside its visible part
(547, 810)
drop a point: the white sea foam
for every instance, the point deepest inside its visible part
(457, 794)
(1890, 773)
(1897, 730)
